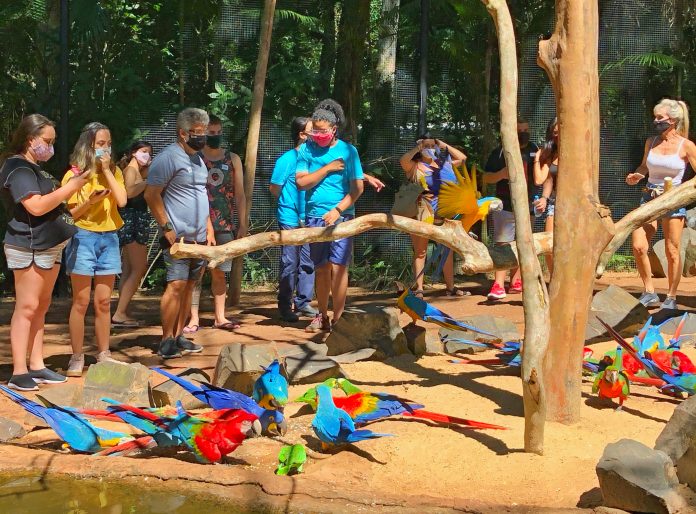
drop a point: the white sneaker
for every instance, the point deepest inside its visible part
(105, 356)
(76, 364)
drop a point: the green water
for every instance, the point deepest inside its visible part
(50, 495)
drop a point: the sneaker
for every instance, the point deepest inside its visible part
(320, 323)
(187, 346)
(649, 299)
(307, 311)
(670, 304)
(515, 287)
(497, 292)
(46, 376)
(76, 364)
(289, 316)
(105, 356)
(168, 348)
(22, 382)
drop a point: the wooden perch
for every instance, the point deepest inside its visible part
(478, 258)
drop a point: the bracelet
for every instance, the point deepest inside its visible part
(339, 210)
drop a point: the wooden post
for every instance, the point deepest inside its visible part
(252, 147)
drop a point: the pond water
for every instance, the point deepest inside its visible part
(57, 495)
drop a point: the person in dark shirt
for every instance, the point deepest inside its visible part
(504, 221)
(34, 241)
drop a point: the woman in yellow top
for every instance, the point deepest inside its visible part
(93, 251)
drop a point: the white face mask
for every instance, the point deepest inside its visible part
(143, 158)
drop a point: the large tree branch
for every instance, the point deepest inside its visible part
(478, 258)
(679, 196)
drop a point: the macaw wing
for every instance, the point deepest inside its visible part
(597, 381)
(415, 304)
(440, 318)
(625, 385)
(458, 197)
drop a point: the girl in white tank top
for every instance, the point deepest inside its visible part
(663, 166)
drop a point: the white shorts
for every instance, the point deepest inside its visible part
(503, 226)
(22, 258)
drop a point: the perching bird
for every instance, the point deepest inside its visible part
(612, 382)
(78, 433)
(271, 388)
(334, 426)
(272, 421)
(419, 309)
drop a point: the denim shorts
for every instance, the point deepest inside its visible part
(182, 269)
(336, 252)
(220, 239)
(93, 253)
(648, 195)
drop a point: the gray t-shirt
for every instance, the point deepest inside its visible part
(185, 197)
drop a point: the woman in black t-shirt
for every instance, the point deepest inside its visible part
(35, 237)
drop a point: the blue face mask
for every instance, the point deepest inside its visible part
(99, 152)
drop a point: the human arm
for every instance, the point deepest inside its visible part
(133, 181)
(114, 179)
(376, 183)
(494, 177)
(240, 196)
(547, 188)
(407, 163)
(356, 189)
(38, 204)
(541, 171)
(306, 180)
(153, 197)
(209, 232)
(457, 155)
(690, 153)
(275, 190)
(641, 171)
(80, 209)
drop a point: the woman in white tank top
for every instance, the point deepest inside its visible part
(665, 158)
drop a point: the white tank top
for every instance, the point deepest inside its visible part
(662, 166)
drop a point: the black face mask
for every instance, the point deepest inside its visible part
(214, 141)
(661, 126)
(196, 142)
(523, 138)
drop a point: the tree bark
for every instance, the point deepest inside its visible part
(477, 257)
(327, 59)
(386, 45)
(252, 146)
(534, 296)
(582, 227)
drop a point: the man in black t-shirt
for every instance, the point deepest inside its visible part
(503, 221)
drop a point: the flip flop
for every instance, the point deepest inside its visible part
(126, 323)
(191, 329)
(230, 325)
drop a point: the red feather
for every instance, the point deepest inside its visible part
(130, 447)
(444, 418)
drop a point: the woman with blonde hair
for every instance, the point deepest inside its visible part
(665, 158)
(93, 252)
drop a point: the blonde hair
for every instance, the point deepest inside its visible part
(83, 155)
(678, 111)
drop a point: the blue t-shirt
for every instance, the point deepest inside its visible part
(329, 192)
(291, 202)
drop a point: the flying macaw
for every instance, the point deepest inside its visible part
(272, 421)
(419, 309)
(333, 426)
(364, 407)
(612, 382)
(271, 388)
(78, 433)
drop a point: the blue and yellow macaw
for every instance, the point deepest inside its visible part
(272, 421)
(271, 388)
(78, 433)
(333, 426)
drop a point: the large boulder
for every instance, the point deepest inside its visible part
(678, 441)
(669, 327)
(169, 392)
(311, 369)
(68, 394)
(636, 478)
(10, 430)
(618, 308)
(687, 251)
(503, 330)
(368, 327)
(127, 383)
(421, 341)
(239, 365)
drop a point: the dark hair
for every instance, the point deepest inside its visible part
(29, 128)
(329, 110)
(298, 125)
(214, 120)
(550, 146)
(137, 145)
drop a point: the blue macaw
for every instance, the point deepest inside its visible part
(78, 433)
(272, 421)
(271, 388)
(334, 426)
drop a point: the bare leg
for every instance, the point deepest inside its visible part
(184, 306)
(339, 289)
(641, 244)
(219, 290)
(673, 228)
(420, 251)
(134, 268)
(323, 287)
(448, 271)
(549, 256)
(169, 306)
(103, 287)
(195, 300)
(81, 288)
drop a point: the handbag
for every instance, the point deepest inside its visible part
(406, 200)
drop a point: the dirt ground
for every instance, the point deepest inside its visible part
(439, 468)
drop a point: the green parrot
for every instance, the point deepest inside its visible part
(291, 459)
(310, 395)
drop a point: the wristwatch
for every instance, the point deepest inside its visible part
(167, 227)
(339, 210)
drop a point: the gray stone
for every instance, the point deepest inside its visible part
(355, 356)
(305, 370)
(308, 348)
(433, 345)
(10, 430)
(678, 440)
(689, 253)
(422, 341)
(618, 308)
(65, 395)
(368, 327)
(636, 478)
(687, 250)
(502, 329)
(126, 383)
(689, 328)
(169, 392)
(239, 365)
(608, 510)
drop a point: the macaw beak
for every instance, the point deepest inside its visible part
(255, 429)
(276, 405)
(496, 205)
(281, 427)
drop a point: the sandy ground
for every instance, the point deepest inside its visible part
(478, 471)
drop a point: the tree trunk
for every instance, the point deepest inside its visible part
(485, 105)
(535, 296)
(252, 145)
(570, 59)
(327, 59)
(387, 43)
(352, 40)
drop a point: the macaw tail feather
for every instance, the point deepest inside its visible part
(453, 324)
(189, 386)
(129, 448)
(645, 380)
(444, 418)
(363, 435)
(103, 415)
(28, 405)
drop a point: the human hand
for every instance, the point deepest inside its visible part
(440, 143)
(210, 238)
(540, 204)
(336, 165)
(170, 236)
(633, 178)
(105, 161)
(98, 196)
(376, 183)
(331, 217)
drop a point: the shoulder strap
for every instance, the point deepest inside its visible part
(653, 142)
(681, 143)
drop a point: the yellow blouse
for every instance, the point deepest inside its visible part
(102, 216)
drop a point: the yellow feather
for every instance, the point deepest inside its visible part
(458, 198)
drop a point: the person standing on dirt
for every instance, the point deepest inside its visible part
(225, 196)
(177, 196)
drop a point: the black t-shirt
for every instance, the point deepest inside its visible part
(496, 162)
(19, 179)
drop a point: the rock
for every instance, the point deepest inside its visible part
(353, 357)
(303, 370)
(67, 395)
(421, 341)
(608, 510)
(368, 327)
(169, 392)
(618, 308)
(678, 441)
(636, 478)
(119, 381)
(689, 253)
(687, 250)
(308, 348)
(502, 329)
(238, 366)
(689, 328)
(10, 430)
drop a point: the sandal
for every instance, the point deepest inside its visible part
(191, 329)
(418, 293)
(455, 291)
(229, 325)
(126, 323)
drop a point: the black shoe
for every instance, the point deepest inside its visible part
(168, 348)
(46, 376)
(187, 346)
(289, 316)
(22, 382)
(308, 311)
